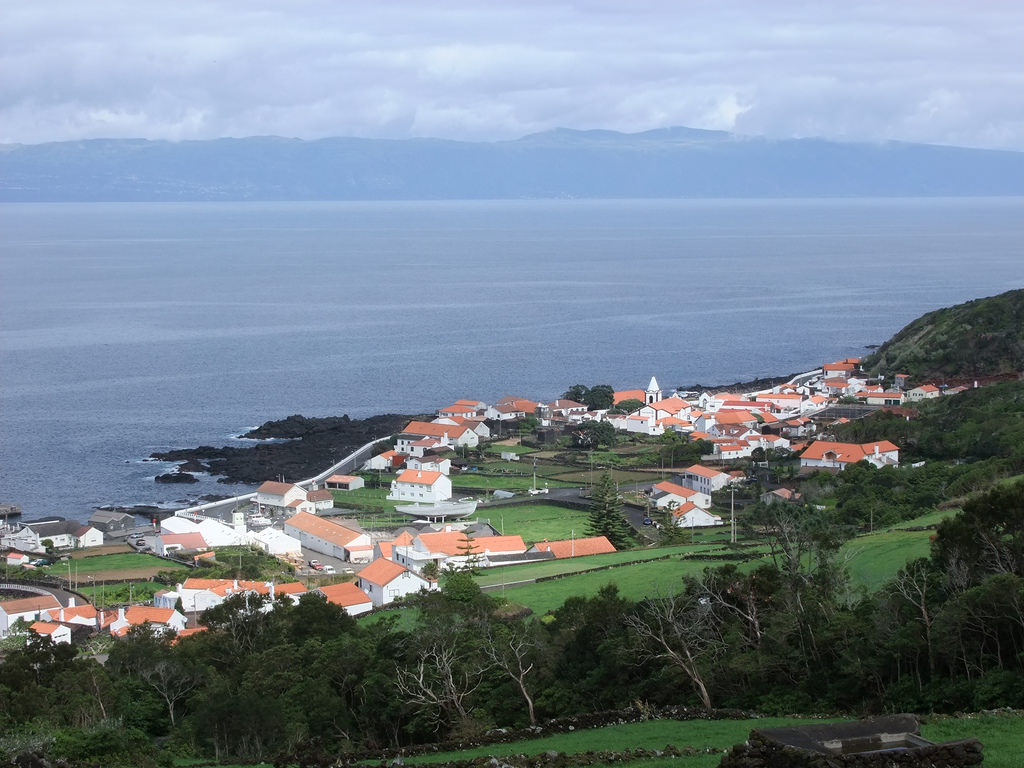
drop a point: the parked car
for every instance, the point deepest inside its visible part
(316, 565)
(328, 569)
(648, 521)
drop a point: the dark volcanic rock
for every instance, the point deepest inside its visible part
(309, 446)
(176, 477)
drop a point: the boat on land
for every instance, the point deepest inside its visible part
(441, 510)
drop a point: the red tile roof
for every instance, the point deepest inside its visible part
(345, 594)
(593, 545)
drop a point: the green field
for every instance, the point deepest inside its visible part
(876, 557)
(536, 522)
(127, 561)
(1000, 733)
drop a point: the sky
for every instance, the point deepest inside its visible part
(933, 71)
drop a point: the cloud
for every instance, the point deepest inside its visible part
(940, 71)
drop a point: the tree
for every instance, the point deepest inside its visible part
(593, 434)
(605, 517)
(600, 397)
(511, 648)
(576, 393)
(628, 406)
(681, 630)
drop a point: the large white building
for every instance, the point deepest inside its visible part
(420, 485)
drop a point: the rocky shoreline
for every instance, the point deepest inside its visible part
(304, 446)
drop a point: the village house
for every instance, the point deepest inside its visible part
(66, 534)
(417, 485)
(384, 549)
(165, 620)
(691, 516)
(420, 433)
(454, 549)
(167, 543)
(73, 616)
(589, 545)
(27, 609)
(344, 483)
(475, 423)
(274, 498)
(350, 597)
(431, 462)
(667, 493)
(829, 455)
(330, 538)
(58, 633)
(111, 521)
(385, 462)
(385, 581)
(704, 479)
(923, 392)
(779, 496)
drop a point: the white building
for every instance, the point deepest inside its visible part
(421, 486)
(705, 480)
(385, 581)
(328, 537)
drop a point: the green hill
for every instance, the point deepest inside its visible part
(977, 339)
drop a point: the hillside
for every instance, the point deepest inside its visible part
(977, 339)
(666, 163)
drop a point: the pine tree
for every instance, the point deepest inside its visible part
(605, 516)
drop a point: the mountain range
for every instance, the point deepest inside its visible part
(562, 163)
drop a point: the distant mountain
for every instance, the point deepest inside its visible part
(977, 339)
(670, 162)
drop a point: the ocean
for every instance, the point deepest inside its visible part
(132, 328)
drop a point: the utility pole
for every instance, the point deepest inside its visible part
(732, 513)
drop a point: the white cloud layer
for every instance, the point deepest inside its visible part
(938, 71)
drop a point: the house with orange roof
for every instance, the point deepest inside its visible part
(58, 633)
(454, 549)
(823, 454)
(691, 516)
(924, 392)
(704, 479)
(350, 597)
(431, 462)
(674, 423)
(177, 542)
(344, 483)
(27, 609)
(328, 537)
(668, 408)
(385, 462)
(881, 397)
(589, 545)
(731, 451)
(385, 581)
(789, 402)
(417, 485)
(384, 548)
(457, 409)
(73, 615)
(667, 493)
(273, 497)
(161, 619)
(444, 435)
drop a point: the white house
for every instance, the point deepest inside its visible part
(704, 479)
(692, 516)
(430, 462)
(924, 392)
(422, 486)
(350, 597)
(66, 534)
(58, 633)
(644, 425)
(351, 482)
(445, 435)
(161, 619)
(385, 581)
(829, 455)
(25, 608)
(667, 493)
(279, 498)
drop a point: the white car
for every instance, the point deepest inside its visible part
(329, 569)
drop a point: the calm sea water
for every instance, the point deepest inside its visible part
(131, 328)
